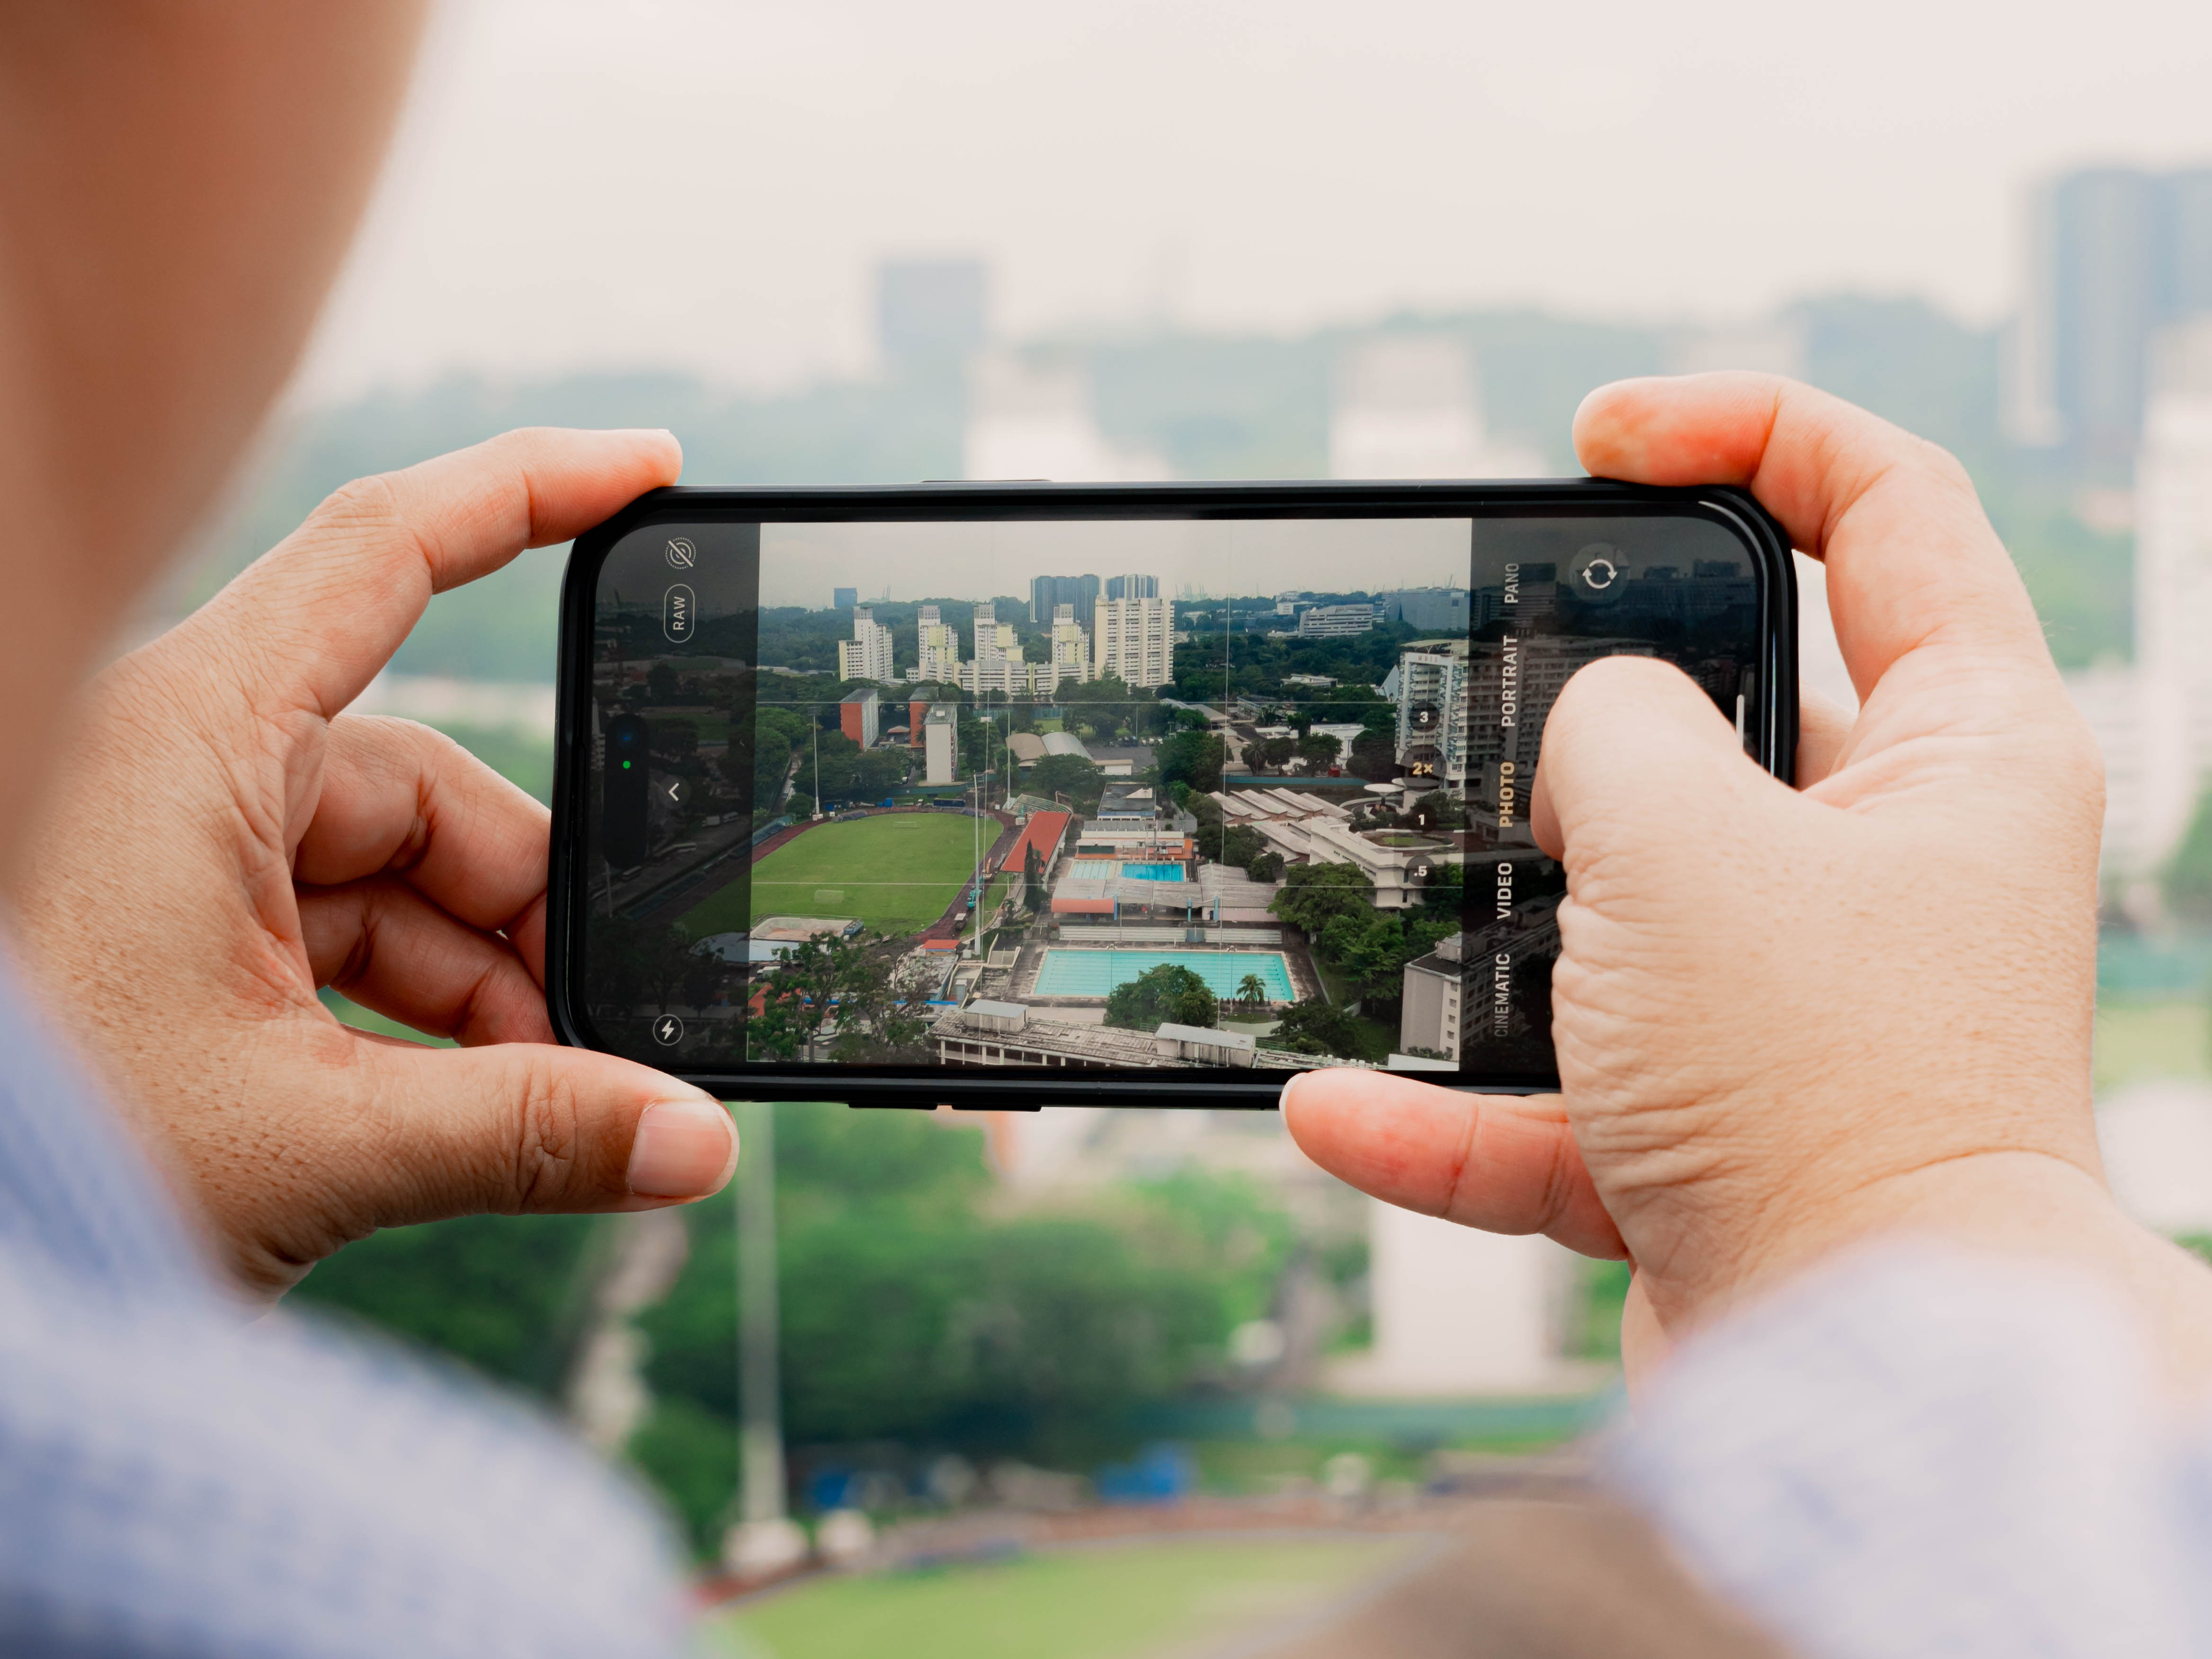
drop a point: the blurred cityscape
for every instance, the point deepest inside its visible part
(995, 1332)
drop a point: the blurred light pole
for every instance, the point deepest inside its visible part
(765, 1540)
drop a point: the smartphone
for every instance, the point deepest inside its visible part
(1006, 796)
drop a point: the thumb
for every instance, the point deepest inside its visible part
(527, 1127)
(1636, 757)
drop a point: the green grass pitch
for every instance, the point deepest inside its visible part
(896, 873)
(1131, 1602)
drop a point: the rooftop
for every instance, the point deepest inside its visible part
(1209, 1037)
(1043, 832)
(1102, 1045)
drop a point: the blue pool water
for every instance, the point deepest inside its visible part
(1102, 869)
(1073, 973)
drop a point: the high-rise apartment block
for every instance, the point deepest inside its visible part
(1132, 587)
(844, 598)
(939, 661)
(1048, 594)
(940, 734)
(867, 654)
(2115, 256)
(1071, 644)
(1133, 640)
(1432, 707)
(998, 666)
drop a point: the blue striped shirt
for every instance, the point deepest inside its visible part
(178, 1478)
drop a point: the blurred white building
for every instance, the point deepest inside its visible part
(2174, 591)
(2156, 1139)
(1458, 1311)
(1407, 406)
(2153, 719)
(1033, 420)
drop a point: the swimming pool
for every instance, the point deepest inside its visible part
(1105, 869)
(1080, 973)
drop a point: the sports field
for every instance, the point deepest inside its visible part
(1126, 1600)
(1078, 973)
(895, 872)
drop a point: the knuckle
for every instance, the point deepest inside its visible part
(548, 1165)
(363, 504)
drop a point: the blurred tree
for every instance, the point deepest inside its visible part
(2188, 875)
(913, 1314)
(499, 1293)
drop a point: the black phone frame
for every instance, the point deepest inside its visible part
(1018, 1088)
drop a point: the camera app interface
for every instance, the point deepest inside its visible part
(1105, 795)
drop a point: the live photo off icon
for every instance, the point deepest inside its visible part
(681, 553)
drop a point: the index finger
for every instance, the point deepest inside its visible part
(1913, 563)
(322, 612)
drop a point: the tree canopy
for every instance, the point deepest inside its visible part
(1194, 758)
(1078, 778)
(1169, 993)
(1317, 1028)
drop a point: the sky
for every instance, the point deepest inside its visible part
(707, 186)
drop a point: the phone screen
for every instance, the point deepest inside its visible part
(1232, 794)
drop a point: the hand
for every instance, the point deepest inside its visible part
(1786, 1018)
(224, 840)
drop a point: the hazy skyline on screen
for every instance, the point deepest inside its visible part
(802, 564)
(683, 185)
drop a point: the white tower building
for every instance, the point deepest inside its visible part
(997, 665)
(1132, 641)
(1071, 646)
(867, 654)
(2173, 605)
(940, 649)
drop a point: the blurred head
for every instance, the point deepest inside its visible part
(178, 184)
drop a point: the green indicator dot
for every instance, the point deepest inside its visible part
(625, 766)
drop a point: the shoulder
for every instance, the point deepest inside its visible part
(173, 1481)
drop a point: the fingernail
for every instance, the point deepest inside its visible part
(683, 1149)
